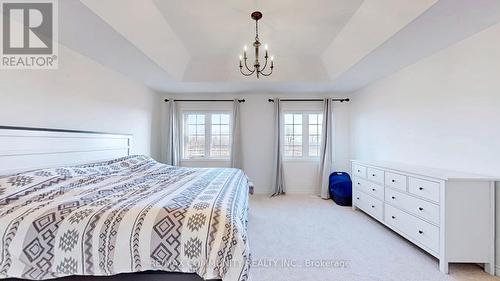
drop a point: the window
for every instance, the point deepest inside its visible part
(220, 145)
(195, 136)
(206, 135)
(315, 128)
(293, 135)
(302, 134)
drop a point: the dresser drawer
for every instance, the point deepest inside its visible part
(369, 204)
(416, 206)
(358, 170)
(396, 181)
(375, 175)
(417, 229)
(424, 188)
(370, 188)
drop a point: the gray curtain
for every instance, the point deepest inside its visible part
(173, 135)
(326, 152)
(236, 137)
(278, 175)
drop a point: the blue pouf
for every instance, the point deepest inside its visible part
(341, 188)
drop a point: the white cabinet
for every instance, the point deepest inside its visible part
(359, 170)
(451, 215)
(396, 181)
(375, 175)
(415, 206)
(370, 205)
(373, 189)
(424, 188)
(425, 234)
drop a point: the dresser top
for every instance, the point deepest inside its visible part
(427, 171)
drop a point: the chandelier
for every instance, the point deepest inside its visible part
(257, 68)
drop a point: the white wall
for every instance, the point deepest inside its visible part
(443, 111)
(80, 95)
(257, 141)
(373, 24)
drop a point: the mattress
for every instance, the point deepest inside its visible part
(130, 214)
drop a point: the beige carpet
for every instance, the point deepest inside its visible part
(288, 233)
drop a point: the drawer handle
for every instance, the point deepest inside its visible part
(420, 188)
(393, 197)
(359, 171)
(357, 198)
(421, 232)
(393, 217)
(373, 189)
(373, 206)
(359, 183)
(420, 208)
(393, 180)
(373, 175)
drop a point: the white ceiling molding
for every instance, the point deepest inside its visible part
(221, 68)
(83, 31)
(443, 25)
(141, 23)
(259, 86)
(193, 46)
(374, 23)
(222, 27)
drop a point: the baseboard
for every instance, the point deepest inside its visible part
(497, 270)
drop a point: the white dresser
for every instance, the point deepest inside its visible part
(450, 215)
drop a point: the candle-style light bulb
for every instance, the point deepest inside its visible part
(245, 48)
(265, 46)
(241, 57)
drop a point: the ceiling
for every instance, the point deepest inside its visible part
(222, 27)
(319, 45)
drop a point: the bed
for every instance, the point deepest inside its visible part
(125, 215)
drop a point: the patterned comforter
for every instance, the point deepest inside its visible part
(125, 215)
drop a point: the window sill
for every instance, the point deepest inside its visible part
(301, 160)
(206, 160)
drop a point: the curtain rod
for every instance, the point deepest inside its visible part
(240, 101)
(333, 99)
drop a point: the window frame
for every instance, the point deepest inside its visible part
(305, 136)
(208, 134)
(319, 134)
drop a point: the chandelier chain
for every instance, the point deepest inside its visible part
(257, 30)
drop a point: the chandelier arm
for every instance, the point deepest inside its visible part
(246, 74)
(265, 64)
(264, 74)
(248, 67)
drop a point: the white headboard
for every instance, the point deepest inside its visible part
(24, 149)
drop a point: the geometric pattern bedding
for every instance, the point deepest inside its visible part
(130, 214)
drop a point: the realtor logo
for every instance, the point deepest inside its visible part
(29, 34)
